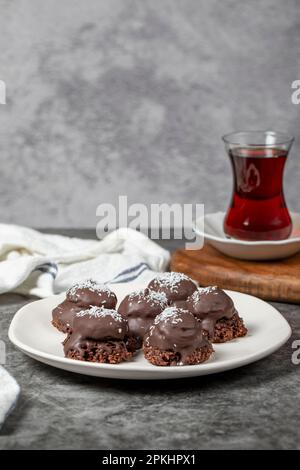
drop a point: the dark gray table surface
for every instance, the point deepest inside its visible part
(256, 406)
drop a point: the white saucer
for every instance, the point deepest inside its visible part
(32, 332)
(213, 233)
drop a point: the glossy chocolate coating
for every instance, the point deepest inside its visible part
(95, 325)
(64, 314)
(140, 308)
(180, 304)
(177, 330)
(210, 304)
(176, 286)
(90, 293)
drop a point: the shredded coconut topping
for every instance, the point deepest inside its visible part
(171, 280)
(158, 297)
(136, 293)
(208, 290)
(196, 296)
(150, 296)
(100, 312)
(171, 314)
(92, 286)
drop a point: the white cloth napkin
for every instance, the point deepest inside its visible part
(9, 392)
(39, 264)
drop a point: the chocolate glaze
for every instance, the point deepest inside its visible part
(210, 304)
(180, 304)
(64, 314)
(176, 286)
(177, 330)
(140, 308)
(89, 293)
(95, 325)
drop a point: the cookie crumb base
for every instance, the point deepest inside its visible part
(171, 358)
(133, 343)
(228, 329)
(110, 352)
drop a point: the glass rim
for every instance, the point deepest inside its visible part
(280, 138)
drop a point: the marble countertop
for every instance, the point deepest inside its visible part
(256, 406)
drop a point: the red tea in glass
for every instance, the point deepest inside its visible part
(258, 210)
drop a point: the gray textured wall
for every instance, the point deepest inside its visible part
(109, 97)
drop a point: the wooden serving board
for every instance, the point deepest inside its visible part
(270, 280)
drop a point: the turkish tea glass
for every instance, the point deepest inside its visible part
(258, 209)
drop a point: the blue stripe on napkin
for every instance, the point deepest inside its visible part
(130, 274)
(50, 268)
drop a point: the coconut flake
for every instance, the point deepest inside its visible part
(208, 290)
(157, 298)
(171, 280)
(90, 285)
(196, 296)
(172, 314)
(152, 297)
(100, 312)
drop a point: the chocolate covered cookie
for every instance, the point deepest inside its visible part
(140, 308)
(90, 292)
(176, 286)
(98, 335)
(176, 338)
(217, 313)
(63, 315)
(81, 296)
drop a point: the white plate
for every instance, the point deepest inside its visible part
(32, 332)
(211, 228)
